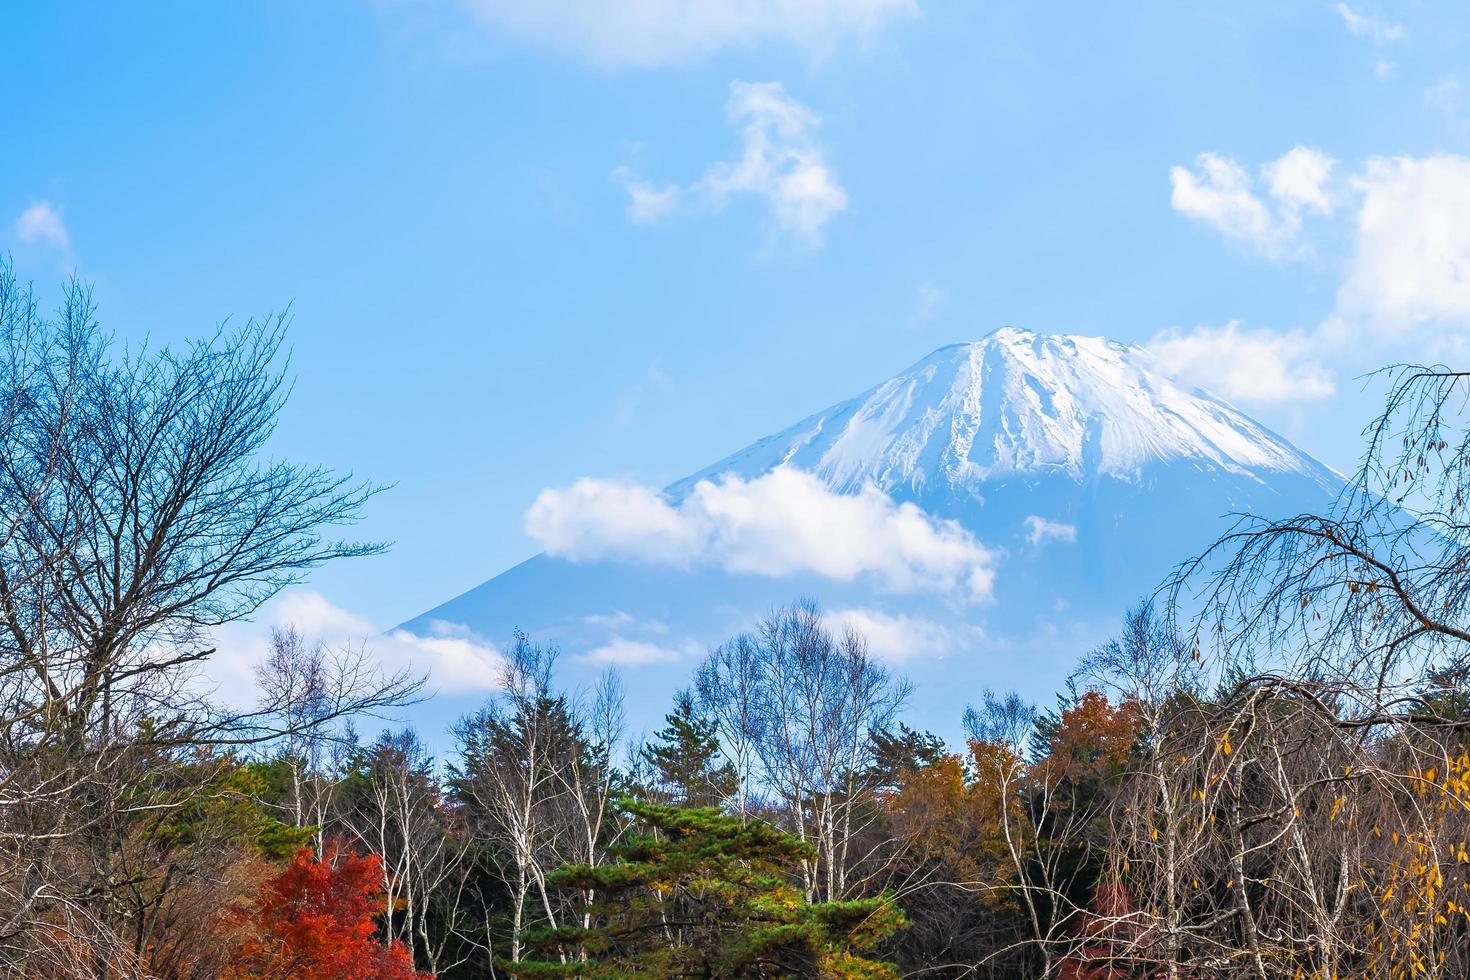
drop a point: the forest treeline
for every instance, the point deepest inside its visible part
(1266, 773)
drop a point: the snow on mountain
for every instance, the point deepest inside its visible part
(1080, 472)
(1018, 403)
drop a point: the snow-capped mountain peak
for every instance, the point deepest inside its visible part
(1018, 404)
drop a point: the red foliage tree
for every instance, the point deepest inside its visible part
(316, 923)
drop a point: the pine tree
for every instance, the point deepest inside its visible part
(686, 759)
(703, 894)
(906, 750)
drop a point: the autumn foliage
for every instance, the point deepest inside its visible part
(1092, 738)
(316, 922)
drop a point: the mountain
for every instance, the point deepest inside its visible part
(1085, 471)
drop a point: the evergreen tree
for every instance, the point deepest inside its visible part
(703, 894)
(902, 751)
(686, 758)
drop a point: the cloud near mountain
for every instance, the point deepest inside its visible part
(451, 655)
(782, 523)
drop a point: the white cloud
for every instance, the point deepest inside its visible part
(784, 523)
(620, 652)
(1363, 25)
(653, 378)
(1298, 179)
(41, 222)
(1403, 224)
(1219, 192)
(927, 300)
(780, 163)
(594, 520)
(780, 160)
(1263, 367)
(456, 659)
(1447, 95)
(1411, 252)
(896, 639)
(646, 202)
(1039, 529)
(650, 33)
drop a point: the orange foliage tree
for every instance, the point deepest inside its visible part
(1091, 738)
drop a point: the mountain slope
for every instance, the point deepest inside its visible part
(1087, 470)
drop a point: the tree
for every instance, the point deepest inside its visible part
(1315, 792)
(805, 703)
(686, 758)
(138, 513)
(535, 779)
(391, 804)
(1043, 785)
(206, 844)
(727, 692)
(294, 678)
(317, 923)
(705, 894)
(950, 867)
(898, 753)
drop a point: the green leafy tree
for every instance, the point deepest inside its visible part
(703, 894)
(686, 758)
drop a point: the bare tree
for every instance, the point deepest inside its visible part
(588, 778)
(536, 773)
(1149, 670)
(137, 513)
(508, 774)
(805, 703)
(726, 685)
(400, 815)
(1299, 801)
(999, 731)
(294, 678)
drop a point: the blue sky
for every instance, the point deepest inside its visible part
(525, 241)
